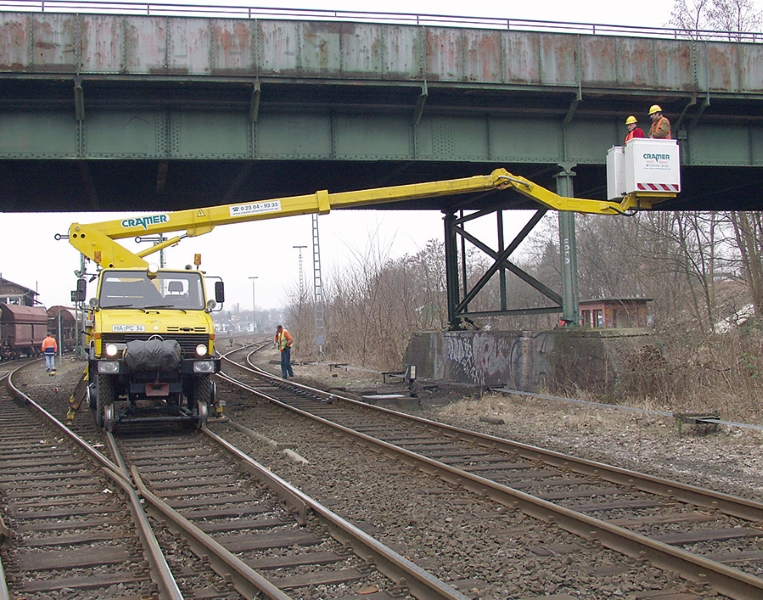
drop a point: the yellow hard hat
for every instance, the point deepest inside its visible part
(630, 120)
(655, 108)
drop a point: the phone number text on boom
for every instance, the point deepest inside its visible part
(254, 208)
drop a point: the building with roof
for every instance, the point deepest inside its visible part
(615, 313)
(13, 293)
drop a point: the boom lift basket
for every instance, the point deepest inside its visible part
(644, 168)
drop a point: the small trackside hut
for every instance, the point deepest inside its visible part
(615, 313)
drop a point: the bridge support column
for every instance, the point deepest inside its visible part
(451, 271)
(568, 250)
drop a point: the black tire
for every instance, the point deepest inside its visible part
(98, 412)
(202, 391)
(92, 394)
(105, 395)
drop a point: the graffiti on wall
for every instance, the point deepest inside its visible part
(483, 357)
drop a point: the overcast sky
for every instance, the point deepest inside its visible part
(265, 249)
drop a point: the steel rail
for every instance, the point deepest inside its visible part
(4, 592)
(245, 579)
(168, 589)
(149, 540)
(162, 575)
(118, 472)
(726, 580)
(419, 582)
(731, 505)
(180, 9)
(5, 533)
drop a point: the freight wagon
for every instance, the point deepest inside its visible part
(22, 330)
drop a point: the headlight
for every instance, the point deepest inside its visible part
(201, 350)
(204, 366)
(111, 350)
(108, 366)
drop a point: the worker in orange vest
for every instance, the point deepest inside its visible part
(660, 125)
(283, 343)
(49, 349)
(634, 131)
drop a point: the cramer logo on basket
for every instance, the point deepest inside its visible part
(660, 162)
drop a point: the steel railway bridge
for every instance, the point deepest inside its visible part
(142, 106)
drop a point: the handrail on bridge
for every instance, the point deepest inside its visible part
(309, 14)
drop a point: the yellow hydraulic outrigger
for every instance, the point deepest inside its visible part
(97, 240)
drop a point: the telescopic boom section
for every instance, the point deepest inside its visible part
(97, 240)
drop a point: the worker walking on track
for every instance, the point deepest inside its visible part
(660, 125)
(49, 349)
(283, 343)
(634, 131)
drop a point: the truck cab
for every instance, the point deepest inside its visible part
(151, 348)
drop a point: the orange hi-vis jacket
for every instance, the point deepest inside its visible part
(283, 340)
(49, 346)
(660, 129)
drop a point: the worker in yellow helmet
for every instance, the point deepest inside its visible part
(634, 131)
(660, 125)
(284, 341)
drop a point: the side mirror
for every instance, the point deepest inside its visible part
(219, 292)
(81, 291)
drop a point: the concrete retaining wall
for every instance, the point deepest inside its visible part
(596, 361)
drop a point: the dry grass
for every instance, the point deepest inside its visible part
(689, 372)
(556, 416)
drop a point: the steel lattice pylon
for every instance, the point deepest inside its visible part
(320, 323)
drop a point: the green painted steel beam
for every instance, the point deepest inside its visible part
(299, 135)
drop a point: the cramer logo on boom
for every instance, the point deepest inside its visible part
(656, 161)
(144, 222)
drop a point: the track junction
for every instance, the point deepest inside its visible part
(484, 517)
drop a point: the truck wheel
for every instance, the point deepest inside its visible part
(105, 396)
(202, 390)
(92, 394)
(98, 412)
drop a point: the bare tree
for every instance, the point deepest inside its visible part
(734, 17)
(690, 16)
(748, 231)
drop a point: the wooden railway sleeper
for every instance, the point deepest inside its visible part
(168, 589)
(724, 579)
(246, 580)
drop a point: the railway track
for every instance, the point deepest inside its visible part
(67, 525)
(287, 543)
(711, 539)
(260, 535)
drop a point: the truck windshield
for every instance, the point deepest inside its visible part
(170, 289)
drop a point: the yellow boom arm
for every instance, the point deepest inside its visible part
(97, 240)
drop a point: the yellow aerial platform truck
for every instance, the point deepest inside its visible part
(149, 332)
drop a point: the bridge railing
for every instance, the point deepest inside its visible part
(308, 14)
